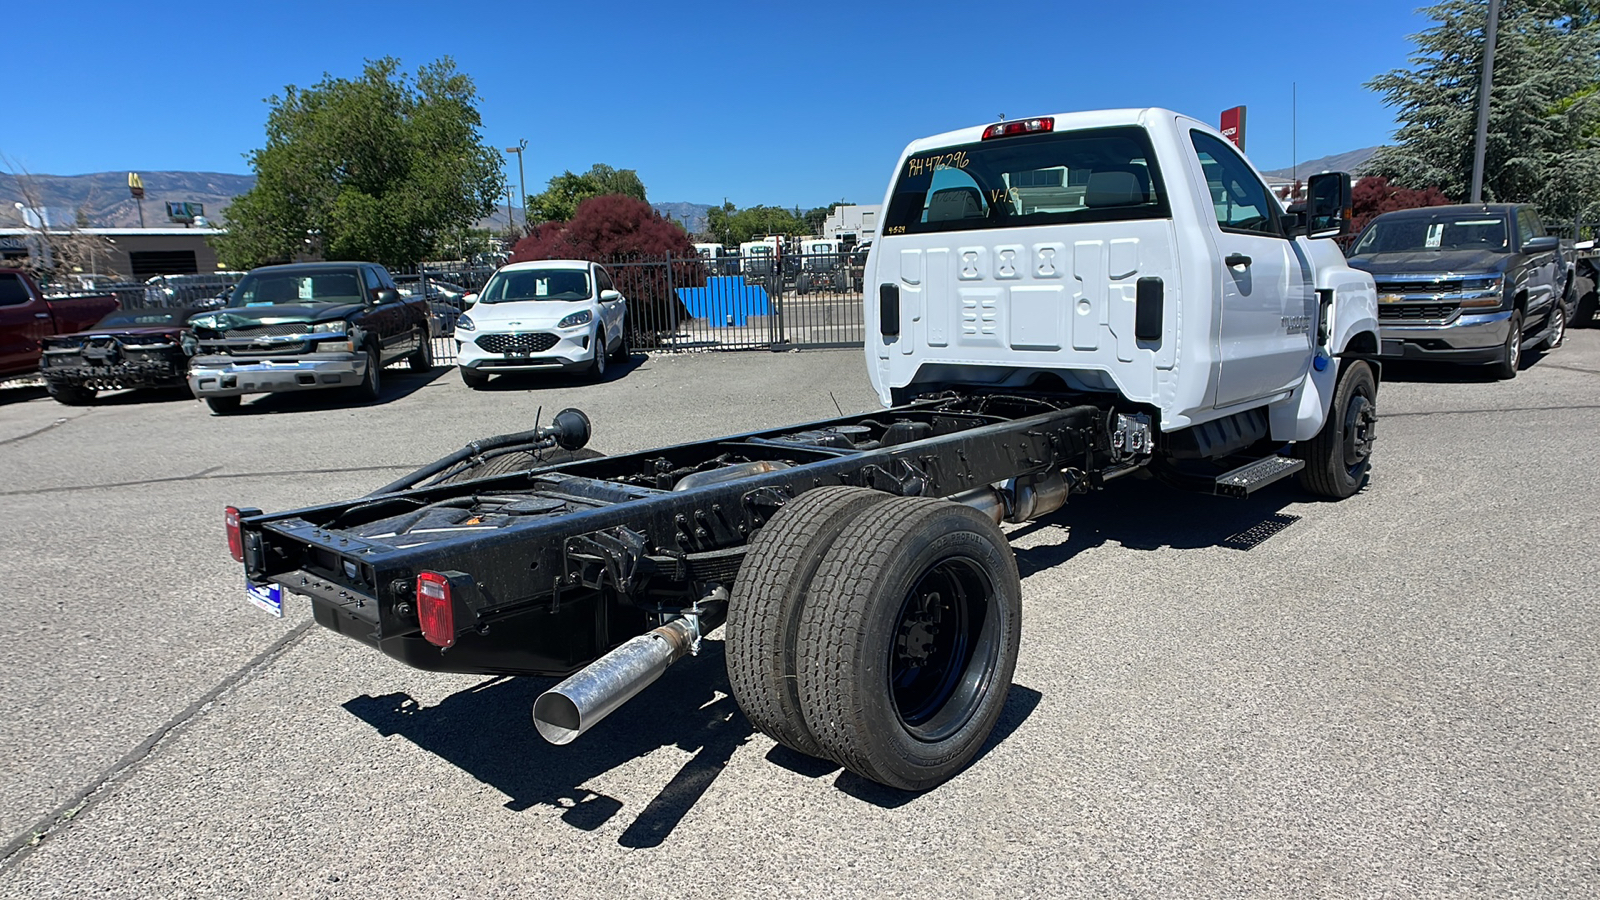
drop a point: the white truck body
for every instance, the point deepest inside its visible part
(982, 301)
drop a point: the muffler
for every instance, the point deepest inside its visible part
(578, 704)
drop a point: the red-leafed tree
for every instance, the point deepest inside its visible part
(648, 257)
(1374, 195)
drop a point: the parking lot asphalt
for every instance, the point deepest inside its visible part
(1388, 696)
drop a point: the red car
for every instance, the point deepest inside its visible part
(130, 348)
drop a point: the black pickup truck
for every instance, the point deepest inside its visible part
(307, 326)
(1465, 284)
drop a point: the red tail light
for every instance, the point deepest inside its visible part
(230, 519)
(1020, 126)
(436, 609)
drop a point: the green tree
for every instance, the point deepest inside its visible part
(814, 218)
(1544, 111)
(559, 202)
(386, 168)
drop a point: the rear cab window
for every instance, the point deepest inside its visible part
(1093, 175)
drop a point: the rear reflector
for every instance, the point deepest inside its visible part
(436, 610)
(230, 519)
(1020, 126)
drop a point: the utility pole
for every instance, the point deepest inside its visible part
(1489, 32)
(521, 183)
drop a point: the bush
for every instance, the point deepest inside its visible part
(638, 245)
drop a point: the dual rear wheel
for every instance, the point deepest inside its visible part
(879, 632)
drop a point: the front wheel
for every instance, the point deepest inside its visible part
(908, 640)
(372, 385)
(70, 394)
(1339, 457)
(1511, 351)
(597, 366)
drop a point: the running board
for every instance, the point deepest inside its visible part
(1252, 477)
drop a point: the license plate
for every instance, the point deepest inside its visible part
(267, 596)
(517, 354)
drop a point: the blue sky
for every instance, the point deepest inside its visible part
(783, 104)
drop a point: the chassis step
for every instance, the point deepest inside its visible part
(1252, 477)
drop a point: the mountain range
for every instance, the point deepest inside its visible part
(1350, 161)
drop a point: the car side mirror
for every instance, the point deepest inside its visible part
(468, 299)
(385, 295)
(1328, 210)
(609, 296)
(1542, 244)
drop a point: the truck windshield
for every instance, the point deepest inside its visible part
(1097, 175)
(296, 288)
(536, 284)
(1410, 234)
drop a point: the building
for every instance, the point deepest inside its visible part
(859, 223)
(132, 254)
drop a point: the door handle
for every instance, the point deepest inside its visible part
(41, 315)
(1234, 260)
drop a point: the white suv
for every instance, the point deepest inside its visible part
(549, 314)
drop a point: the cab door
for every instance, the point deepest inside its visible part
(1264, 279)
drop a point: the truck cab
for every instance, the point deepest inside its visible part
(1130, 253)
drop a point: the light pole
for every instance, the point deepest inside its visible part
(521, 182)
(1489, 30)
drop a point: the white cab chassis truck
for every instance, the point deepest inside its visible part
(1053, 303)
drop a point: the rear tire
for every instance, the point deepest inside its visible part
(1339, 457)
(1584, 309)
(224, 406)
(764, 611)
(1511, 351)
(422, 360)
(908, 640)
(624, 344)
(1556, 330)
(70, 394)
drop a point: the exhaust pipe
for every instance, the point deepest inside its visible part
(574, 706)
(1020, 499)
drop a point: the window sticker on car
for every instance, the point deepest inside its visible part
(1435, 233)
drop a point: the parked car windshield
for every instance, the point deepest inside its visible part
(280, 288)
(536, 284)
(1410, 234)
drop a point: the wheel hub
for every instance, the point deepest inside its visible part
(1360, 430)
(915, 641)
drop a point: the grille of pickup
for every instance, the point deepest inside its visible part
(517, 343)
(1416, 311)
(260, 331)
(1444, 286)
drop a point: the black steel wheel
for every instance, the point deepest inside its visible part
(422, 360)
(1511, 351)
(908, 639)
(224, 406)
(764, 611)
(70, 394)
(372, 385)
(1339, 457)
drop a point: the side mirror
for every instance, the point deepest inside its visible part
(468, 299)
(1541, 244)
(609, 296)
(1328, 211)
(386, 295)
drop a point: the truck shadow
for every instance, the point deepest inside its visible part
(1186, 521)
(486, 731)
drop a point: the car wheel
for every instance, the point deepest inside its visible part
(1511, 352)
(1338, 458)
(597, 364)
(422, 360)
(70, 394)
(224, 406)
(908, 641)
(372, 385)
(624, 344)
(1557, 330)
(1584, 305)
(474, 379)
(764, 611)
